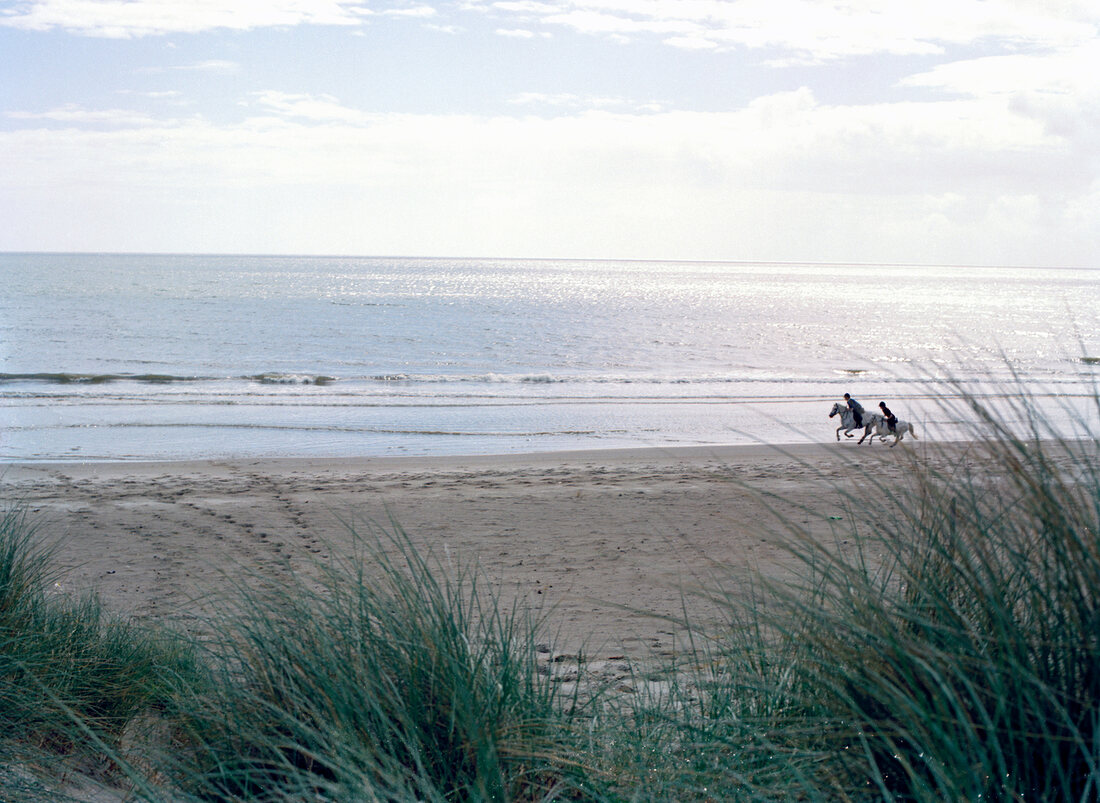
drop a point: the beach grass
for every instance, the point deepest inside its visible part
(949, 651)
(955, 655)
(382, 679)
(73, 676)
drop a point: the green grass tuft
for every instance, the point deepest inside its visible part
(387, 680)
(962, 662)
(72, 676)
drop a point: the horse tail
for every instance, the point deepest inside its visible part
(913, 432)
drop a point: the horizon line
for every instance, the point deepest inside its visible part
(646, 260)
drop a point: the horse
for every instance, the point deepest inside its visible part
(876, 422)
(848, 421)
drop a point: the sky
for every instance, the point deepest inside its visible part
(951, 132)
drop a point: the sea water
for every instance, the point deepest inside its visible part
(149, 357)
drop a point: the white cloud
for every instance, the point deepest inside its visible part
(211, 65)
(135, 18)
(324, 108)
(569, 100)
(452, 30)
(809, 31)
(420, 12)
(1058, 92)
(73, 114)
(786, 177)
(791, 31)
(1069, 70)
(526, 7)
(593, 21)
(167, 94)
(691, 43)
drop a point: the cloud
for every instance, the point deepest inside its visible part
(784, 177)
(525, 7)
(785, 31)
(167, 94)
(324, 108)
(136, 18)
(807, 31)
(569, 100)
(74, 115)
(1068, 70)
(211, 65)
(420, 12)
(451, 30)
(1057, 91)
(691, 43)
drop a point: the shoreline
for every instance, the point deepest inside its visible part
(718, 452)
(611, 546)
(396, 462)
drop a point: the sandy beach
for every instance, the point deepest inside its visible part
(600, 541)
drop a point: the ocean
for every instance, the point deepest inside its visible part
(177, 357)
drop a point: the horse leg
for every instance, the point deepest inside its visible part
(838, 431)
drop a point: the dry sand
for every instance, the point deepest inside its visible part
(599, 540)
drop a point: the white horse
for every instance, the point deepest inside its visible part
(883, 431)
(848, 421)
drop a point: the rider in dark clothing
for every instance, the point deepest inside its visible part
(856, 408)
(889, 417)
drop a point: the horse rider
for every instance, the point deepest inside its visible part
(889, 417)
(856, 408)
